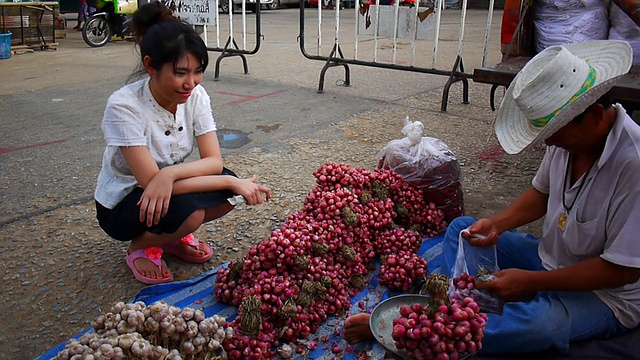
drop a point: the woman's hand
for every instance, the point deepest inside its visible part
(482, 233)
(154, 202)
(251, 191)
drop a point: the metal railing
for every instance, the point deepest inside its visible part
(376, 23)
(231, 47)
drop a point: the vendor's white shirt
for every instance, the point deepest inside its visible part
(133, 118)
(605, 219)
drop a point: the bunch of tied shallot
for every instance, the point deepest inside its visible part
(158, 331)
(287, 285)
(444, 329)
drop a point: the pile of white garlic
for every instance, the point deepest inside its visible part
(157, 332)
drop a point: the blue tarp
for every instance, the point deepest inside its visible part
(197, 293)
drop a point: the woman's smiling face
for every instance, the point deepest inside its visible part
(173, 83)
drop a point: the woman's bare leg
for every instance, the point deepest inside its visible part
(148, 239)
(193, 222)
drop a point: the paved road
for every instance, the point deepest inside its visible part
(52, 104)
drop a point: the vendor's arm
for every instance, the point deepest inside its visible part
(529, 206)
(588, 275)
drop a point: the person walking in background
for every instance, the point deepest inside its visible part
(146, 192)
(580, 280)
(83, 12)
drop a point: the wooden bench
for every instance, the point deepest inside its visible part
(627, 92)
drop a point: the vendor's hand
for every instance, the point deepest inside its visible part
(509, 284)
(485, 231)
(154, 202)
(253, 193)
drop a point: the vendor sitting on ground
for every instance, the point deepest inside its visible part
(580, 280)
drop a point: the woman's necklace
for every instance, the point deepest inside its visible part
(562, 219)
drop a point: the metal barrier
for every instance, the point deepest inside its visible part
(376, 24)
(201, 15)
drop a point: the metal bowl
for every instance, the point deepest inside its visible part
(381, 322)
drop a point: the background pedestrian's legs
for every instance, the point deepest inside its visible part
(83, 12)
(82, 15)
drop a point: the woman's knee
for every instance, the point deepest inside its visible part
(194, 221)
(217, 212)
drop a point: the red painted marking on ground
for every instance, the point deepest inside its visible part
(5, 151)
(492, 154)
(246, 98)
(495, 153)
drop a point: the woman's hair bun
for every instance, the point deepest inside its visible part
(148, 15)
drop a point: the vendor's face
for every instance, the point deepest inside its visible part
(576, 136)
(173, 84)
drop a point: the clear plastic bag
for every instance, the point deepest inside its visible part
(429, 164)
(474, 264)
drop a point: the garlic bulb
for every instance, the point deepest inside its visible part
(156, 332)
(285, 351)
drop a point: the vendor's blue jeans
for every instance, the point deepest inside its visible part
(551, 320)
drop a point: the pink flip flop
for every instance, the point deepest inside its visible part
(153, 254)
(175, 250)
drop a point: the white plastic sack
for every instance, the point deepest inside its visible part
(470, 260)
(429, 164)
(624, 28)
(562, 22)
(414, 156)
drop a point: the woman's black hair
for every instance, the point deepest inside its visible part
(165, 38)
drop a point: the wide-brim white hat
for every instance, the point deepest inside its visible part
(555, 86)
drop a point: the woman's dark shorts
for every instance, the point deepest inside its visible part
(123, 221)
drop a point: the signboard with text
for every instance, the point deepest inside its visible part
(195, 12)
(407, 27)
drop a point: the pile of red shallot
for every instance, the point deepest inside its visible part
(155, 332)
(287, 285)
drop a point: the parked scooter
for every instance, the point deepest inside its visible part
(104, 24)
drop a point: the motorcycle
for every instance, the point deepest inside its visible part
(104, 24)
